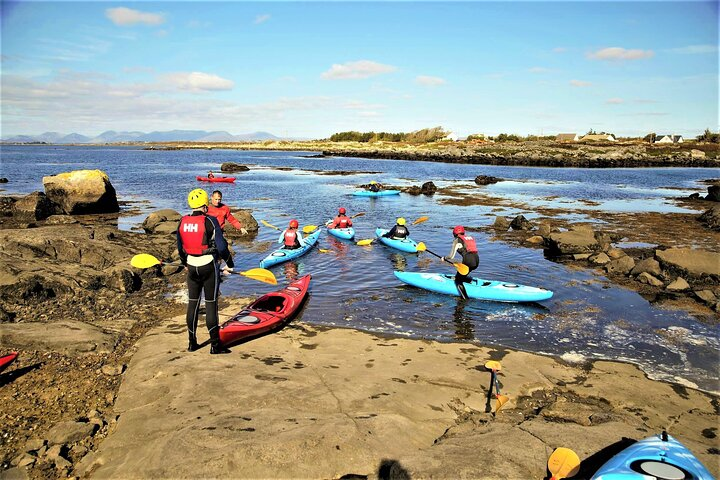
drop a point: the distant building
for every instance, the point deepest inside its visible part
(668, 139)
(567, 137)
(451, 136)
(599, 137)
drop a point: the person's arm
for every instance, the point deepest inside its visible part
(181, 251)
(453, 250)
(349, 222)
(299, 237)
(281, 239)
(234, 221)
(333, 223)
(220, 243)
(390, 233)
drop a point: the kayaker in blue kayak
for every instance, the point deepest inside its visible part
(464, 245)
(375, 186)
(291, 236)
(201, 245)
(341, 220)
(399, 231)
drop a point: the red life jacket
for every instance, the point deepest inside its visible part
(342, 222)
(192, 234)
(290, 238)
(468, 243)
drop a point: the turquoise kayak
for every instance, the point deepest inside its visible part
(404, 245)
(381, 193)
(344, 233)
(478, 288)
(283, 254)
(660, 456)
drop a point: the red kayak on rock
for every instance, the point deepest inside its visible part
(266, 313)
(216, 179)
(6, 360)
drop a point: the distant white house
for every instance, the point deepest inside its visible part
(600, 137)
(668, 139)
(567, 137)
(451, 136)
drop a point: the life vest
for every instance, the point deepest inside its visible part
(400, 232)
(342, 222)
(290, 238)
(468, 243)
(192, 234)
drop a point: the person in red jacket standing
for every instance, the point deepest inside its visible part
(341, 221)
(222, 213)
(464, 245)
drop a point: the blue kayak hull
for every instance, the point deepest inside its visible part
(405, 245)
(344, 233)
(283, 254)
(478, 288)
(381, 193)
(653, 455)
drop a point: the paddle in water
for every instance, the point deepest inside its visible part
(563, 463)
(268, 224)
(145, 260)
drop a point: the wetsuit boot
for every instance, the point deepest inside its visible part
(215, 346)
(192, 343)
(461, 289)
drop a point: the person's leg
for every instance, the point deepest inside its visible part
(211, 286)
(194, 288)
(459, 281)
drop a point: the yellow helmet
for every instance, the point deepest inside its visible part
(373, 182)
(197, 198)
(401, 221)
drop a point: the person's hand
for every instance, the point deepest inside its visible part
(227, 270)
(443, 259)
(243, 230)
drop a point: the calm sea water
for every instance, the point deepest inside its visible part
(354, 286)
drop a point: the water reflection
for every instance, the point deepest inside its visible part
(291, 271)
(464, 329)
(399, 261)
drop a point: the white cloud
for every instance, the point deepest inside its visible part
(261, 19)
(580, 83)
(694, 49)
(539, 70)
(615, 101)
(356, 70)
(559, 50)
(198, 81)
(619, 54)
(429, 81)
(126, 16)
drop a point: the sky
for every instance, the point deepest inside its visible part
(311, 69)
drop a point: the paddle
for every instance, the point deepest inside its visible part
(145, 260)
(268, 224)
(309, 228)
(370, 241)
(461, 267)
(563, 463)
(421, 220)
(358, 215)
(494, 366)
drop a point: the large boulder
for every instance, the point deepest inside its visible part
(428, 188)
(711, 218)
(581, 240)
(163, 221)
(244, 216)
(232, 167)
(713, 193)
(82, 192)
(486, 180)
(35, 206)
(521, 223)
(694, 262)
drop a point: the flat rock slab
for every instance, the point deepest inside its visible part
(311, 402)
(67, 336)
(694, 261)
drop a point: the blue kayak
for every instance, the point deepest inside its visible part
(478, 288)
(381, 193)
(344, 233)
(283, 254)
(660, 456)
(404, 245)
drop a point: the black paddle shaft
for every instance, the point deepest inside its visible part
(488, 408)
(439, 256)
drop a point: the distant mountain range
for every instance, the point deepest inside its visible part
(112, 136)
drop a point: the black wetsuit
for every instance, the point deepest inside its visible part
(398, 231)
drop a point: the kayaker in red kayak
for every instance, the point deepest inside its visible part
(222, 213)
(399, 231)
(341, 220)
(291, 236)
(210, 174)
(467, 248)
(201, 245)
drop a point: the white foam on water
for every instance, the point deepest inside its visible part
(573, 357)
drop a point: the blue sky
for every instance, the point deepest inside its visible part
(310, 69)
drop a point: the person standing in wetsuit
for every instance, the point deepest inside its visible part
(201, 246)
(464, 245)
(399, 231)
(291, 238)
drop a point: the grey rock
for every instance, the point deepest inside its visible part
(600, 259)
(60, 220)
(535, 240)
(486, 180)
(706, 296)
(572, 242)
(35, 206)
(69, 432)
(544, 229)
(34, 444)
(647, 265)
(501, 223)
(232, 167)
(583, 256)
(113, 370)
(521, 223)
(82, 192)
(695, 262)
(163, 221)
(620, 265)
(713, 193)
(648, 279)
(615, 253)
(678, 285)
(711, 218)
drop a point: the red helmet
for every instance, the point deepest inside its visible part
(293, 223)
(459, 230)
(341, 210)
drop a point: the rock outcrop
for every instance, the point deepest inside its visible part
(82, 192)
(232, 167)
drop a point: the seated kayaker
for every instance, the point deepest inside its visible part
(222, 212)
(291, 238)
(464, 245)
(341, 221)
(375, 186)
(210, 174)
(399, 231)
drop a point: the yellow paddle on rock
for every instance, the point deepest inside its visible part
(494, 367)
(563, 463)
(370, 241)
(145, 260)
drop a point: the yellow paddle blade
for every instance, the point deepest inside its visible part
(309, 228)
(324, 250)
(421, 220)
(358, 215)
(367, 241)
(421, 247)
(493, 365)
(261, 275)
(501, 400)
(462, 268)
(144, 260)
(268, 224)
(563, 463)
